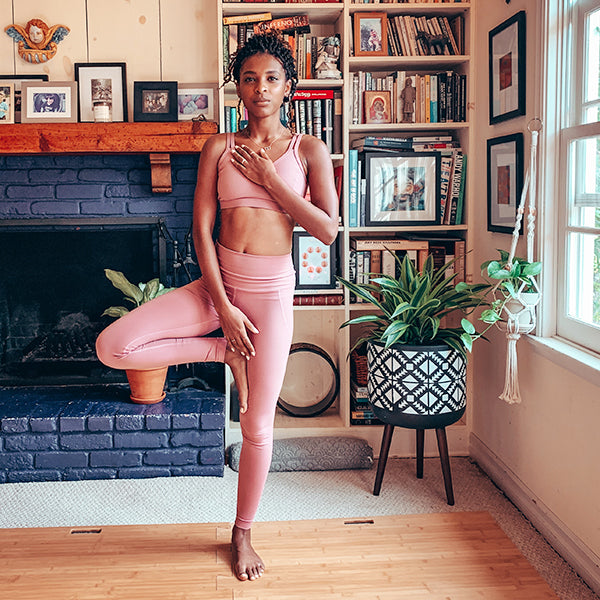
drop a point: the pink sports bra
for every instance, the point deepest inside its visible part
(234, 190)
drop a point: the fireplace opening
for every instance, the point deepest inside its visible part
(53, 292)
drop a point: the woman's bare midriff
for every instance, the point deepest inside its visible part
(256, 231)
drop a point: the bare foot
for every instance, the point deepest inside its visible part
(247, 565)
(237, 364)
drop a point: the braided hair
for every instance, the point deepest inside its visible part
(271, 43)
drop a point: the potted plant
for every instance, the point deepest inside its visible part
(147, 386)
(516, 291)
(417, 361)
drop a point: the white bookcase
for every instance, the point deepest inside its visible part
(320, 324)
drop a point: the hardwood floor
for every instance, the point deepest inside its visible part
(450, 556)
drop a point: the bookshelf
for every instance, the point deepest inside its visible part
(320, 324)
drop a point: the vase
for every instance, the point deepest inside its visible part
(147, 386)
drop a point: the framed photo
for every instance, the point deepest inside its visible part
(49, 102)
(504, 181)
(370, 34)
(402, 189)
(16, 80)
(315, 262)
(378, 106)
(7, 103)
(155, 101)
(507, 69)
(195, 100)
(102, 82)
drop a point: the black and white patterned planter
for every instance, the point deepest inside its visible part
(419, 387)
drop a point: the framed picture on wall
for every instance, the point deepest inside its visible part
(17, 80)
(507, 69)
(7, 103)
(49, 102)
(197, 100)
(315, 263)
(102, 82)
(370, 34)
(504, 181)
(155, 101)
(402, 189)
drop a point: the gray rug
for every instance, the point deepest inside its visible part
(288, 496)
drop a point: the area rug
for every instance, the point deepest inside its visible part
(450, 556)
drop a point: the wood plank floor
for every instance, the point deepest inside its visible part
(450, 556)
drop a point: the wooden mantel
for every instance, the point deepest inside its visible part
(159, 140)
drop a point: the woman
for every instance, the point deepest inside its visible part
(259, 178)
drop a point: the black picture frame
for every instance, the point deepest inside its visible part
(309, 256)
(17, 80)
(504, 181)
(403, 189)
(155, 101)
(117, 73)
(507, 61)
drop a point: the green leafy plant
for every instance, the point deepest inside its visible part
(511, 281)
(413, 305)
(136, 294)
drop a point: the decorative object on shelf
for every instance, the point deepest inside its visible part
(416, 364)
(7, 103)
(315, 263)
(99, 84)
(328, 56)
(49, 102)
(507, 69)
(402, 189)
(196, 100)
(36, 42)
(311, 383)
(147, 386)
(504, 181)
(155, 101)
(370, 34)
(517, 293)
(16, 80)
(378, 106)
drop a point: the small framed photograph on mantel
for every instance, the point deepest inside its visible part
(102, 91)
(49, 102)
(7, 103)
(402, 189)
(155, 101)
(197, 101)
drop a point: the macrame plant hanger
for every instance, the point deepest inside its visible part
(520, 313)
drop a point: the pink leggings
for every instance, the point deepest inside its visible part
(169, 329)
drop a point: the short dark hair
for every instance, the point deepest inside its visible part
(271, 43)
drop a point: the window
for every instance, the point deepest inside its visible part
(577, 198)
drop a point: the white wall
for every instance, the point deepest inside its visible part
(168, 40)
(549, 443)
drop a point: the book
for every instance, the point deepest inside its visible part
(353, 188)
(297, 23)
(337, 122)
(266, 16)
(390, 244)
(371, 141)
(318, 300)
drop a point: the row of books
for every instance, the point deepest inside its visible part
(382, 1)
(453, 171)
(295, 1)
(373, 256)
(410, 35)
(413, 97)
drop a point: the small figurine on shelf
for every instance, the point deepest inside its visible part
(37, 43)
(408, 96)
(327, 58)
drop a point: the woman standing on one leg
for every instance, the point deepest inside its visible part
(259, 178)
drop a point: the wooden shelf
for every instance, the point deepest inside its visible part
(159, 140)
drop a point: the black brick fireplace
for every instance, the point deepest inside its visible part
(62, 414)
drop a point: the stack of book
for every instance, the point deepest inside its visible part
(453, 166)
(361, 412)
(414, 97)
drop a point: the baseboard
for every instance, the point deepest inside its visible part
(585, 562)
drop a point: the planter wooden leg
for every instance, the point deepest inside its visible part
(383, 456)
(445, 460)
(420, 447)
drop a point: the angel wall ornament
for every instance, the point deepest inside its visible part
(37, 43)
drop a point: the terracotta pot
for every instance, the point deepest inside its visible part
(147, 387)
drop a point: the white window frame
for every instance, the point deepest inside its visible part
(563, 110)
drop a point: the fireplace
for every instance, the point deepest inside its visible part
(53, 292)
